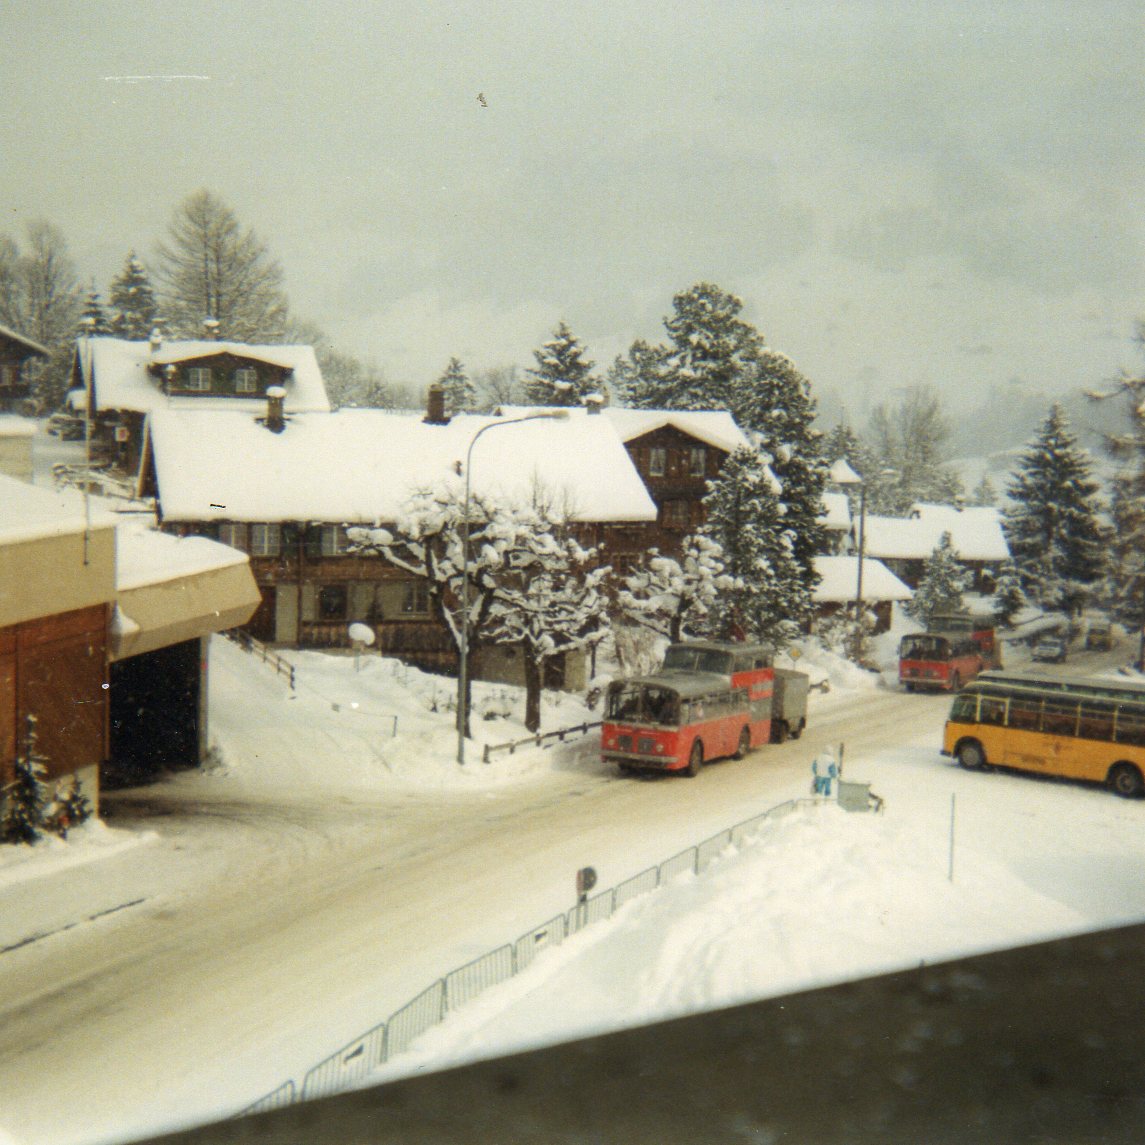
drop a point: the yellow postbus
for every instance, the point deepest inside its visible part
(1076, 727)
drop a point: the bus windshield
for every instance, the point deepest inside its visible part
(643, 703)
(698, 660)
(924, 646)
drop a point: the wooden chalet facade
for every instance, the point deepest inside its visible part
(16, 352)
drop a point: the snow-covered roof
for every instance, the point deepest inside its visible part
(34, 347)
(975, 533)
(358, 466)
(146, 556)
(11, 425)
(836, 513)
(839, 580)
(123, 379)
(713, 427)
(29, 513)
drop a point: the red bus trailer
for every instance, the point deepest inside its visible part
(709, 700)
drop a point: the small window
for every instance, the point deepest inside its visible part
(676, 515)
(265, 540)
(962, 711)
(698, 461)
(246, 381)
(199, 379)
(9, 375)
(415, 598)
(334, 541)
(234, 534)
(657, 461)
(1026, 714)
(333, 600)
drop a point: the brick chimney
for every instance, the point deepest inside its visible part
(211, 329)
(156, 339)
(275, 421)
(435, 406)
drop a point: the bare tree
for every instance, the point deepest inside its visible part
(213, 268)
(498, 386)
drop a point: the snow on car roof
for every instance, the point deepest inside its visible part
(360, 466)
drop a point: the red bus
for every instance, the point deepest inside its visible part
(708, 701)
(955, 647)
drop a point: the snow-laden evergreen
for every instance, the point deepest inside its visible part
(715, 359)
(94, 321)
(24, 803)
(765, 597)
(134, 311)
(944, 580)
(563, 375)
(1051, 523)
(460, 393)
(676, 598)
(1009, 599)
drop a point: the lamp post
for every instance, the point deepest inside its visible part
(463, 641)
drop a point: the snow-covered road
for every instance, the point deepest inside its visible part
(260, 930)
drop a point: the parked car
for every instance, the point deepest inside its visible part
(1099, 636)
(1050, 649)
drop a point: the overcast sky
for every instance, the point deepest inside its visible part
(900, 192)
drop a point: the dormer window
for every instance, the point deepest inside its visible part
(657, 461)
(199, 379)
(246, 380)
(698, 461)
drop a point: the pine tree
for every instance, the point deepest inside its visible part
(944, 580)
(563, 375)
(1009, 599)
(213, 268)
(1052, 524)
(25, 799)
(134, 311)
(766, 597)
(70, 808)
(460, 393)
(93, 321)
(984, 494)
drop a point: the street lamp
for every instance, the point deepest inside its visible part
(463, 644)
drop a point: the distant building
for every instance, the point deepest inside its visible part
(838, 588)
(16, 352)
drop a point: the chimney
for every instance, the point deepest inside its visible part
(275, 421)
(435, 406)
(156, 339)
(211, 329)
(593, 403)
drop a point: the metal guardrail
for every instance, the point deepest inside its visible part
(378, 1045)
(267, 655)
(537, 740)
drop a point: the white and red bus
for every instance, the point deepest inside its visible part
(708, 701)
(954, 649)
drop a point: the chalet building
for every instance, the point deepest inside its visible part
(16, 352)
(101, 630)
(285, 488)
(123, 381)
(905, 544)
(836, 521)
(839, 588)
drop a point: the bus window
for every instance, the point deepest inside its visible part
(1096, 722)
(1060, 717)
(992, 711)
(964, 708)
(712, 660)
(659, 706)
(1025, 713)
(1131, 727)
(683, 659)
(624, 704)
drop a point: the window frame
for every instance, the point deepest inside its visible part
(269, 539)
(235, 534)
(657, 460)
(415, 597)
(698, 461)
(195, 375)
(339, 592)
(240, 374)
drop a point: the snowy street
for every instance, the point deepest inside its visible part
(260, 915)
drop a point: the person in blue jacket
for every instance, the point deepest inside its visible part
(825, 770)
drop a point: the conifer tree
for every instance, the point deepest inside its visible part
(93, 321)
(134, 311)
(1052, 524)
(563, 375)
(24, 802)
(943, 582)
(460, 393)
(766, 597)
(1009, 599)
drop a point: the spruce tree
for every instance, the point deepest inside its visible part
(25, 800)
(766, 597)
(1009, 599)
(134, 311)
(93, 321)
(1052, 524)
(460, 393)
(563, 375)
(944, 580)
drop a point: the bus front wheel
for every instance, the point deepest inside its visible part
(971, 755)
(1126, 781)
(744, 745)
(695, 759)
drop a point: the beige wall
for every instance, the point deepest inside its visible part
(16, 456)
(51, 575)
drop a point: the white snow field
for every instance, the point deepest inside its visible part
(956, 862)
